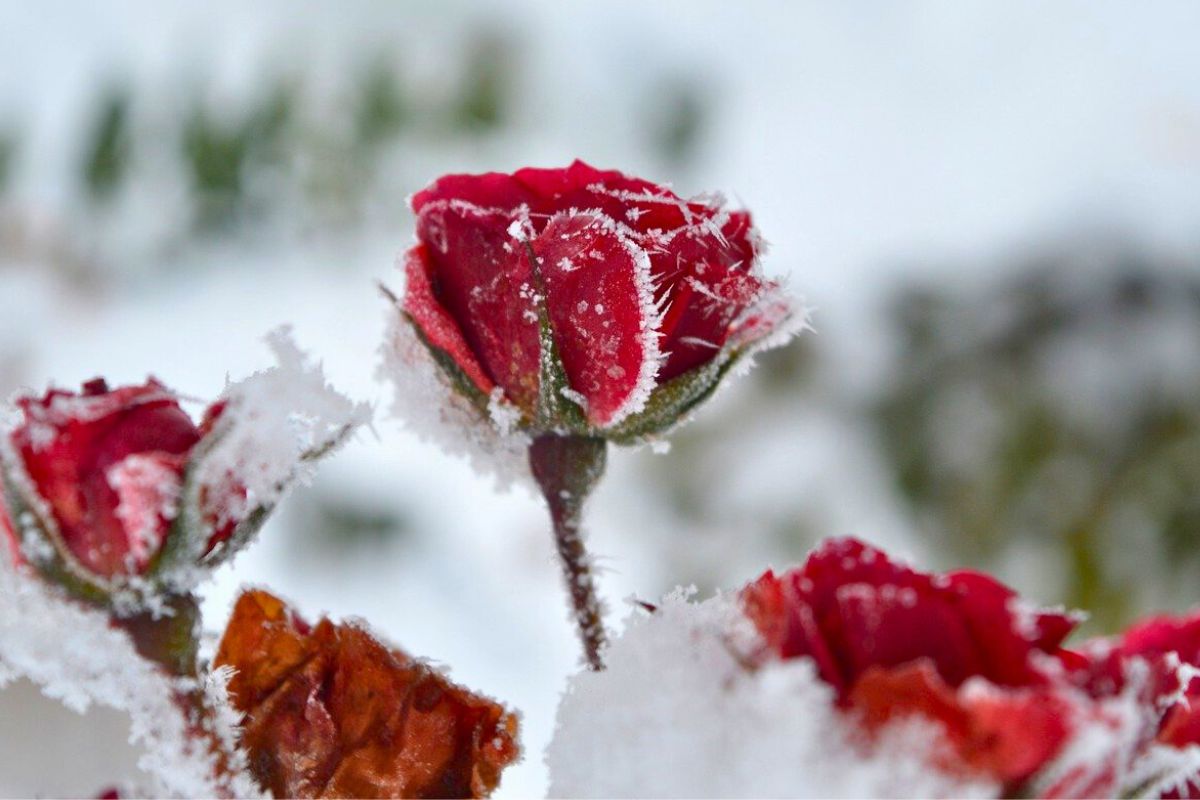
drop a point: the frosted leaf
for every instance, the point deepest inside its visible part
(72, 653)
(275, 422)
(272, 428)
(677, 714)
(429, 406)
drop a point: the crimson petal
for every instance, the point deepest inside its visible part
(598, 299)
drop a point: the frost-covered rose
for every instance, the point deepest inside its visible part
(585, 301)
(107, 464)
(109, 486)
(564, 309)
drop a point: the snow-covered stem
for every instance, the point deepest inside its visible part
(171, 641)
(567, 468)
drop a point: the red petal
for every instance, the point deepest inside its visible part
(1007, 734)
(786, 622)
(598, 296)
(1164, 634)
(489, 190)
(481, 275)
(147, 486)
(868, 611)
(706, 276)
(896, 624)
(438, 327)
(639, 204)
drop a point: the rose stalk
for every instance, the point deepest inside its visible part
(569, 308)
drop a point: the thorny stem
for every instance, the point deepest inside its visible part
(567, 468)
(170, 641)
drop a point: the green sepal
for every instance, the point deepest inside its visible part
(189, 534)
(555, 411)
(459, 381)
(673, 401)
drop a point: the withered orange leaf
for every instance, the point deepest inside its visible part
(329, 711)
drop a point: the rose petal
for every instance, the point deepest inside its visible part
(868, 610)
(435, 322)
(481, 276)
(599, 303)
(1007, 735)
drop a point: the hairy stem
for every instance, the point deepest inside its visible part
(567, 468)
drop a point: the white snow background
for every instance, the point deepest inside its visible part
(860, 136)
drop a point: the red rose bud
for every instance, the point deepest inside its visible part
(105, 470)
(575, 307)
(585, 301)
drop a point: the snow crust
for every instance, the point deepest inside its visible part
(679, 714)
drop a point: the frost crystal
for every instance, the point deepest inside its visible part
(678, 714)
(275, 423)
(429, 407)
(272, 427)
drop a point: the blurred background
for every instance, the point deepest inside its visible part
(994, 210)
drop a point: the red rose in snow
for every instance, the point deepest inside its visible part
(958, 648)
(107, 465)
(596, 303)
(578, 306)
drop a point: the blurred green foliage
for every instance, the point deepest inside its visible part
(109, 143)
(306, 152)
(382, 111)
(220, 148)
(482, 102)
(8, 151)
(996, 432)
(679, 119)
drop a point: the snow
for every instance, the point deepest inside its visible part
(75, 657)
(677, 713)
(147, 488)
(275, 423)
